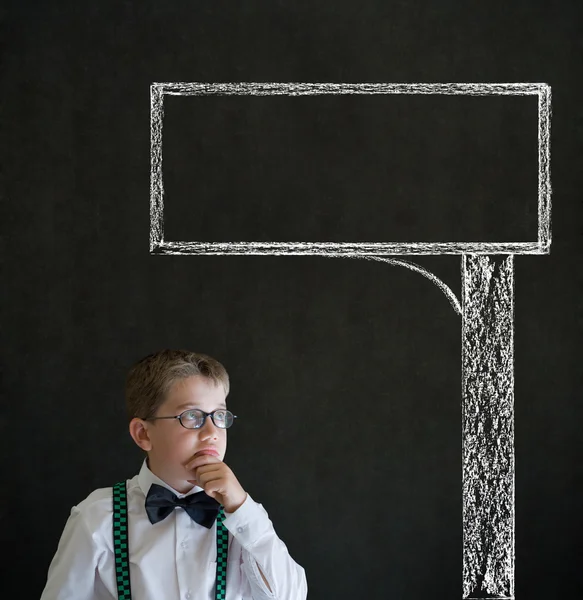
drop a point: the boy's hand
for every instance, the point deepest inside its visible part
(217, 480)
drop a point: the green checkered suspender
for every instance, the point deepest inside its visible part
(120, 546)
(222, 552)
(120, 541)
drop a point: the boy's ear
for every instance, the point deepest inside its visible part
(139, 433)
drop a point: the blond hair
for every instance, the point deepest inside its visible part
(150, 379)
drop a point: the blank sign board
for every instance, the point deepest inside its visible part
(360, 168)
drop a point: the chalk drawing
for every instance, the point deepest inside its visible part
(486, 309)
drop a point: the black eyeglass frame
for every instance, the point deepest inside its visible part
(204, 414)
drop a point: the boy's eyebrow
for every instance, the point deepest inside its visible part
(194, 405)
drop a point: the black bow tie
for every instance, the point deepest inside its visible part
(160, 502)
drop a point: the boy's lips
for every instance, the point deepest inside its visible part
(208, 450)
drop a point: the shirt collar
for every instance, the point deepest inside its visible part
(146, 478)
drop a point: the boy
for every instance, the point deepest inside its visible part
(173, 545)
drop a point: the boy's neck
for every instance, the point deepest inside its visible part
(181, 486)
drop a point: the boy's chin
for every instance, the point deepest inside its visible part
(188, 479)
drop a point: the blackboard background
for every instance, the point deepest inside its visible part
(311, 343)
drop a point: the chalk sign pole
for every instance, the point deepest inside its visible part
(488, 426)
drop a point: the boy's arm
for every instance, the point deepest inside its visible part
(271, 571)
(72, 571)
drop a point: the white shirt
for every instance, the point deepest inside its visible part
(174, 559)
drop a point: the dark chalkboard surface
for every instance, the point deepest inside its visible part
(313, 345)
(350, 167)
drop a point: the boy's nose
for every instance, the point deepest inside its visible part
(209, 425)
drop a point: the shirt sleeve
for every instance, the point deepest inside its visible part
(263, 549)
(72, 572)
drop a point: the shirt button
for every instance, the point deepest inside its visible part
(184, 545)
(188, 595)
(239, 529)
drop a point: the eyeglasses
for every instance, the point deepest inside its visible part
(194, 418)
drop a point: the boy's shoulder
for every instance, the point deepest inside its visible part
(98, 505)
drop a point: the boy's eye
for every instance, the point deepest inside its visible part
(190, 415)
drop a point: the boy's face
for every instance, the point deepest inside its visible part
(171, 444)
